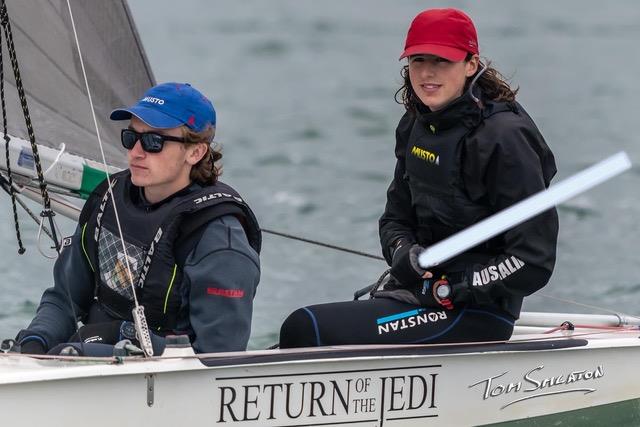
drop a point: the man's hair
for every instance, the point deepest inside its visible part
(205, 172)
(492, 84)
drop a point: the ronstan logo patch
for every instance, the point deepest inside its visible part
(227, 293)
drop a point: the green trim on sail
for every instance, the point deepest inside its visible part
(91, 177)
(166, 298)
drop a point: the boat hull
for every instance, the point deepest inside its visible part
(365, 386)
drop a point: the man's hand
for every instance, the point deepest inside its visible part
(112, 333)
(103, 333)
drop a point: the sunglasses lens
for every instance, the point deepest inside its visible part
(152, 142)
(128, 138)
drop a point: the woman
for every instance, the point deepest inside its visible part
(192, 243)
(465, 149)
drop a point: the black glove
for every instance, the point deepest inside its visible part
(103, 333)
(114, 332)
(404, 265)
(32, 346)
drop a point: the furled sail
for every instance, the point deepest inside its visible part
(115, 62)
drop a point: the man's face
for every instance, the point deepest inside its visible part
(160, 174)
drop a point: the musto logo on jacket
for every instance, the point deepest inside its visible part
(425, 155)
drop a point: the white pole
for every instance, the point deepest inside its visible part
(59, 205)
(524, 210)
(540, 319)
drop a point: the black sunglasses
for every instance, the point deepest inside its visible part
(151, 142)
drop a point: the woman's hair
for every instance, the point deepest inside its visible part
(205, 172)
(493, 85)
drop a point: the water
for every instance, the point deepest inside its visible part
(304, 95)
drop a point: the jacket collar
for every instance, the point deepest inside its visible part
(462, 110)
(138, 198)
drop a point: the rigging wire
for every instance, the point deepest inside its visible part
(580, 304)
(9, 185)
(104, 159)
(5, 186)
(39, 240)
(138, 313)
(3, 183)
(323, 244)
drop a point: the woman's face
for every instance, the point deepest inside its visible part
(438, 81)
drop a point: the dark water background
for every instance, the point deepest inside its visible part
(304, 94)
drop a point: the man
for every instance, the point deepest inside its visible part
(191, 242)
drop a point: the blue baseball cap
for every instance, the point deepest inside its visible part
(169, 105)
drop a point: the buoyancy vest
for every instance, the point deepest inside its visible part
(433, 159)
(152, 237)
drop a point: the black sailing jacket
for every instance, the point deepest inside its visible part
(459, 165)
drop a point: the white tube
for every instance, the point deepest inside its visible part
(524, 210)
(540, 319)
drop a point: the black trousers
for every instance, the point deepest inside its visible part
(387, 321)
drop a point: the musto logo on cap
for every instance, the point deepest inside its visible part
(152, 100)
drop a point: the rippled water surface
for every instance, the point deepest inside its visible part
(304, 94)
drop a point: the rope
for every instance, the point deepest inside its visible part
(580, 304)
(325, 245)
(104, 158)
(46, 212)
(9, 185)
(5, 186)
(138, 312)
(6, 25)
(573, 327)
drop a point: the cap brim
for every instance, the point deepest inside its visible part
(446, 52)
(151, 117)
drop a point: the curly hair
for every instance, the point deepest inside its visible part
(205, 172)
(493, 85)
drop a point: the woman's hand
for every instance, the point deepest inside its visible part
(405, 267)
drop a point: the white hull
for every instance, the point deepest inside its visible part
(471, 384)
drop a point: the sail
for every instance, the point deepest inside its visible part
(117, 70)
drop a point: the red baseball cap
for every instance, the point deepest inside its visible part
(448, 33)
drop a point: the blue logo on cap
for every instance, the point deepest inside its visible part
(169, 105)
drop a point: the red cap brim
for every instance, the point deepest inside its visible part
(446, 52)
